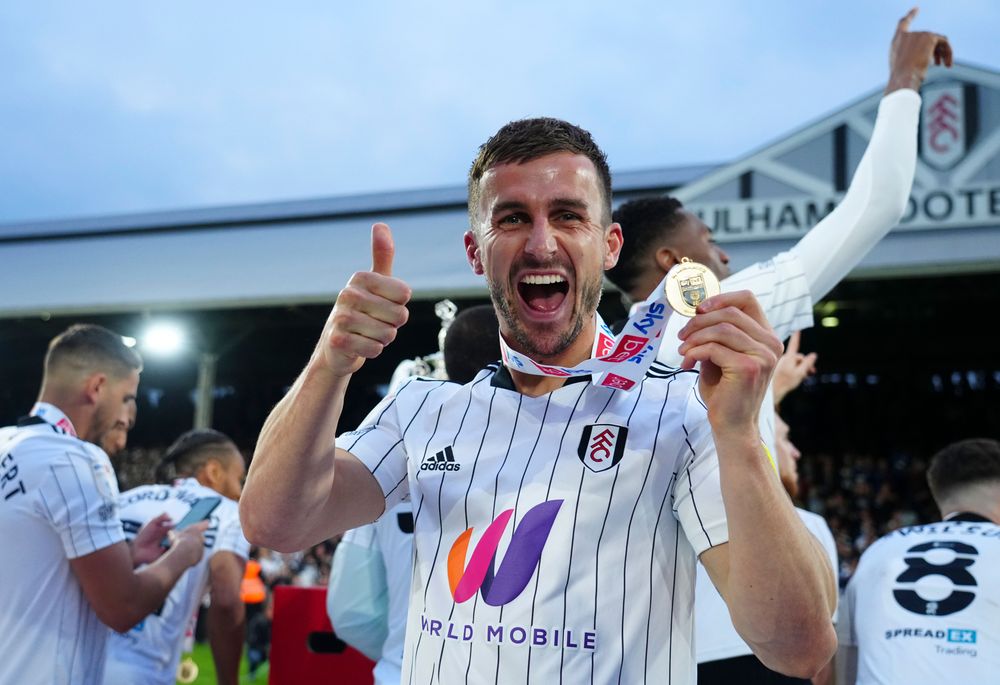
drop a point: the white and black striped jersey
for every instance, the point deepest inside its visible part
(150, 652)
(555, 536)
(57, 502)
(923, 605)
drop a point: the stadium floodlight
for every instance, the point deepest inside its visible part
(163, 338)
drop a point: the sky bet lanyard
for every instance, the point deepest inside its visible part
(616, 361)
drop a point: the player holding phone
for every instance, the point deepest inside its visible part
(206, 470)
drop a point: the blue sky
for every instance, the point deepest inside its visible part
(124, 107)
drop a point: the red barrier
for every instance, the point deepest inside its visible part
(304, 649)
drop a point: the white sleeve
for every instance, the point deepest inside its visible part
(357, 598)
(697, 491)
(378, 443)
(781, 285)
(81, 501)
(874, 202)
(231, 538)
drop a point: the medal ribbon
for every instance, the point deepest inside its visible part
(54, 415)
(616, 361)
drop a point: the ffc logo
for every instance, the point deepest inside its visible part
(602, 446)
(943, 139)
(518, 565)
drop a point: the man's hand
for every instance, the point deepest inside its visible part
(146, 546)
(792, 368)
(189, 544)
(368, 311)
(738, 351)
(911, 53)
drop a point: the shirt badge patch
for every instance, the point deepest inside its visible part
(602, 446)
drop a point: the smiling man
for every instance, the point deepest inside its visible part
(557, 519)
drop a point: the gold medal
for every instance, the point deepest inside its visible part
(187, 671)
(688, 285)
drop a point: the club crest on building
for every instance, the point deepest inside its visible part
(942, 125)
(602, 446)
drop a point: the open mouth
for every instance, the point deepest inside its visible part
(543, 292)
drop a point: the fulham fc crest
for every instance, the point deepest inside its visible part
(602, 446)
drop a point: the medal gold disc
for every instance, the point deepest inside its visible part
(688, 285)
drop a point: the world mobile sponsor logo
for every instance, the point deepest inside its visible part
(501, 586)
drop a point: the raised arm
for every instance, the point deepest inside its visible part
(877, 196)
(300, 489)
(773, 573)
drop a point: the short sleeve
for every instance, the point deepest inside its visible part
(697, 490)
(231, 538)
(81, 501)
(781, 287)
(378, 444)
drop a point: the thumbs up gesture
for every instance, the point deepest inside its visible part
(368, 311)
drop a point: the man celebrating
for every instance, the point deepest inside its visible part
(557, 534)
(923, 604)
(67, 568)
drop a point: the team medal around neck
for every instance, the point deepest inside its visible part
(688, 284)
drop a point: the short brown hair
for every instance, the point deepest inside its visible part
(525, 140)
(89, 347)
(963, 463)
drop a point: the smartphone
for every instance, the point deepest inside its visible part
(199, 511)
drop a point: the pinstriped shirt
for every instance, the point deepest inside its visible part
(57, 502)
(556, 536)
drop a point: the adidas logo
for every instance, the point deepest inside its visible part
(441, 461)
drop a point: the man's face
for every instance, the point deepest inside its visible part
(542, 244)
(234, 471)
(115, 406)
(788, 457)
(692, 239)
(116, 439)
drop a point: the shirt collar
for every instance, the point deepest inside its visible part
(52, 414)
(967, 516)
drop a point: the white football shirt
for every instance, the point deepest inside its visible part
(368, 601)
(715, 636)
(555, 536)
(150, 652)
(923, 605)
(57, 502)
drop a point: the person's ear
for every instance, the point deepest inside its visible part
(614, 241)
(95, 384)
(666, 258)
(472, 253)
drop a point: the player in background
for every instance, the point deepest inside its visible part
(659, 232)
(723, 656)
(541, 234)
(68, 572)
(923, 606)
(370, 579)
(204, 463)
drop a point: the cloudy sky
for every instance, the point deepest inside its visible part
(126, 107)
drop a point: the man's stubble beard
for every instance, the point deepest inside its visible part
(586, 305)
